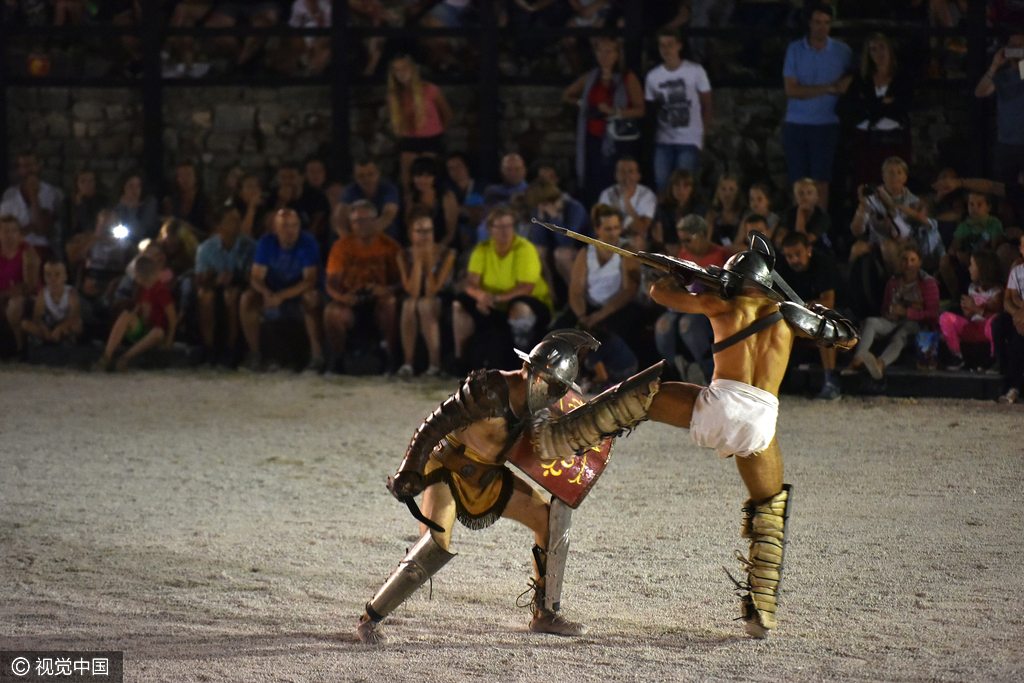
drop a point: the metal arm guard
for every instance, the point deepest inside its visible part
(821, 324)
(615, 411)
(483, 395)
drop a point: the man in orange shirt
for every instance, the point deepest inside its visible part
(362, 282)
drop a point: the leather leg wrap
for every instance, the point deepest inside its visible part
(764, 524)
(617, 410)
(424, 560)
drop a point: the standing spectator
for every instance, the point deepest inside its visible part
(679, 199)
(425, 268)
(815, 73)
(468, 197)
(610, 100)
(981, 304)
(150, 322)
(223, 264)
(429, 195)
(811, 272)
(557, 252)
(681, 95)
(443, 14)
(252, 204)
(136, 210)
(693, 329)
(1008, 333)
(505, 302)
(309, 203)
(34, 203)
(979, 231)
(879, 100)
(187, 200)
(255, 13)
(182, 47)
(636, 202)
(19, 275)
(282, 285)
(368, 185)
(727, 209)
(886, 216)
(313, 52)
(1003, 78)
(910, 306)
(57, 316)
(362, 284)
(806, 216)
(419, 114)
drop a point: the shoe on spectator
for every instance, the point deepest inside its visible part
(102, 365)
(316, 364)
(174, 71)
(405, 372)
(1010, 396)
(957, 364)
(874, 367)
(432, 371)
(829, 392)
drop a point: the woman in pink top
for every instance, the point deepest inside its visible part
(419, 114)
(19, 275)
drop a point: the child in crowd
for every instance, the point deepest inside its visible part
(56, 316)
(151, 322)
(805, 215)
(980, 230)
(760, 200)
(984, 299)
(727, 209)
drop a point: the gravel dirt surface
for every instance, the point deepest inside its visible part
(230, 528)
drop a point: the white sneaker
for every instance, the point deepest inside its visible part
(1010, 396)
(405, 372)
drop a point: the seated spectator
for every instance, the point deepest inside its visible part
(505, 302)
(315, 174)
(928, 238)
(602, 287)
(636, 202)
(257, 14)
(362, 284)
(230, 184)
(150, 322)
(136, 210)
(1012, 192)
(443, 14)
(86, 203)
(468, 197)
(610, 99)
(19, 275)
(187, 200)
(980, 231)
(419, 115)
(253, 205)
(368, 184)
(950, 203)
(123, 296)
(313, 53)
(879, 99)
(1008, 333)
(694, 329)
(811, 272)
(105, 255)
(727, 209)
(557, 252)
(182, 47)
(34, 203)
(282, 285)
(886, 216)
(513, 181)
(309, 203)
(429, 195)
(679, 200)
(56, 317)
(374, 14)
(222, 267)
(806, 216)
(981, 304)
(910, 306)
(425, 268)
(759, 199)
(180, 245)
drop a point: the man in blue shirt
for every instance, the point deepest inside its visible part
(816, 72)
(1004, 78)
(222, 270)
(283, 285)
(381, 193)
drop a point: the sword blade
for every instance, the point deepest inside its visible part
(597, 243)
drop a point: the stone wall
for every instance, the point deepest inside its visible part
(258, 128)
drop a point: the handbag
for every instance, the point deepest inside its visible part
(623, 130)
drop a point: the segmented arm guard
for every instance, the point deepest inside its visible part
(821, 324)
(615, 411)
(483, 394)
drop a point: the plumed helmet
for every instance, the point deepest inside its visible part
(750, 268)
(553, 365)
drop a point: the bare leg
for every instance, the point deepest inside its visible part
(673, 404)
(337, 320)
(124, 322)
(385, 312)
(231, 298)
(409, 329)
(249, 317)
(152, 338)
(462, 328)
(15, 313)
(530, 509)
(430, 314)
(206, 304)
(312, 316)
(439, 506)
(762, 473)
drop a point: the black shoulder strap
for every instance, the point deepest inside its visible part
(751, 329)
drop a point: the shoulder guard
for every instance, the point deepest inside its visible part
(821, 324)
(482, 395)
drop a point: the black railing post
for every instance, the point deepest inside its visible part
(633, 38)
(152, 98)
(488, 152)
(341, 98)
(977, 61)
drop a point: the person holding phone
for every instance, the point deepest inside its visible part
(1005, 78)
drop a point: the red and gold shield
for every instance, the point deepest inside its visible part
(569, 480)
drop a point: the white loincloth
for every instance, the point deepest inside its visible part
(734, 418)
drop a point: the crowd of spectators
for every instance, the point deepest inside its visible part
(437, 271)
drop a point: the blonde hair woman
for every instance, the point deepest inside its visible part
(419, 114)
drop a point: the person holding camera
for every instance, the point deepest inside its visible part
(886, 216)
(1005, 78)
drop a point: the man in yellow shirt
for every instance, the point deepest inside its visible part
(504, 302)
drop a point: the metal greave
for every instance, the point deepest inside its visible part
(424, 560)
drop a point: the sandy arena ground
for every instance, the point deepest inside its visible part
(231, 527)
